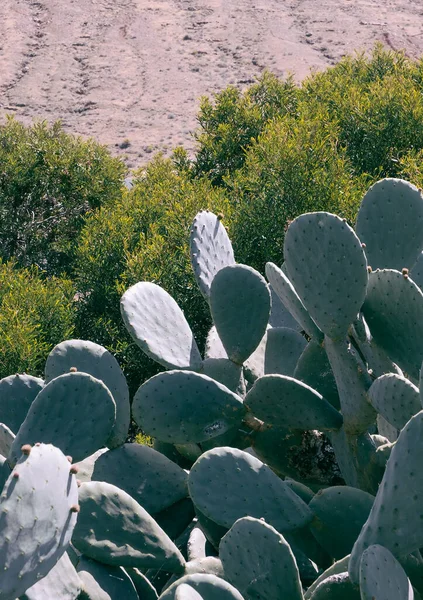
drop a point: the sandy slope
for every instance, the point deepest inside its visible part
(134, 69)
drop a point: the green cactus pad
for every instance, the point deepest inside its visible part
(62, 582)
(340, 513)
(328, 268)
(226, 372)
(37, 518)
(259, 562)
(159, 327)
(337, 568)
(114, 529)
(289, 297)
(286, 402)
(75, 412)
(254, 365)
(209, 587)
(416, 272)
(6, 439)
(336, 587)
(104, 582)
(240, 307)
(382, 577)
(280, 315)
(211, 249)
(217, 484)
(17, 393)
(92, 358)
(395, 519)
(149, 477)
(352, 381)
(386, 429)
(394, 312)
(313, 368)
(390, 223)
(185, 407)
(395, 398)
(283, 349)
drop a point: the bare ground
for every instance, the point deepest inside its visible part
(130, 72)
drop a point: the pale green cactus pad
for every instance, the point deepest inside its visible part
(382, 577)
(259, 562)
(159, 327)
(328, 268)
(390, 223)
(217, 482)
(211, 249)
(240, 307)
(183, 407)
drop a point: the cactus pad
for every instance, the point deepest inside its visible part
(92, 358)
(159, 327)
(328, 268)
(390, 223)
(286, 402)
(36, 518)
(75, 412)
(211, 249)
(240, 307)
(149, 477)
(394, 313)
(395, 398)
(382, 577)
(283, 349)
(114, 529)
(185, 407)
(217, 484)
(259, 562)
(17, 393)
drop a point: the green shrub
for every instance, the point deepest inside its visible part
(297, 165)
(35, 315)
(230, 123)
(377, 103)
(143, 236)
(48, 181)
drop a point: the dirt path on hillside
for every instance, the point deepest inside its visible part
(132, 71)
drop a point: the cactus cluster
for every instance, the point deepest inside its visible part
(286, 461)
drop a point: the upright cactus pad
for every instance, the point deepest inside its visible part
(240, 307)
(382, 577)
(394, 312)
(328, 268)
(38, 511)
(114, 529)
(395, 519)
(259, 562)
(75, 412)
(6, 439)
(390, 223)
(211, 249)
(395, 398)
(217, 484)
(339, 514)
(181, 407)
(88, 357)
(17, 393)
(159, 327)
(313, 368)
